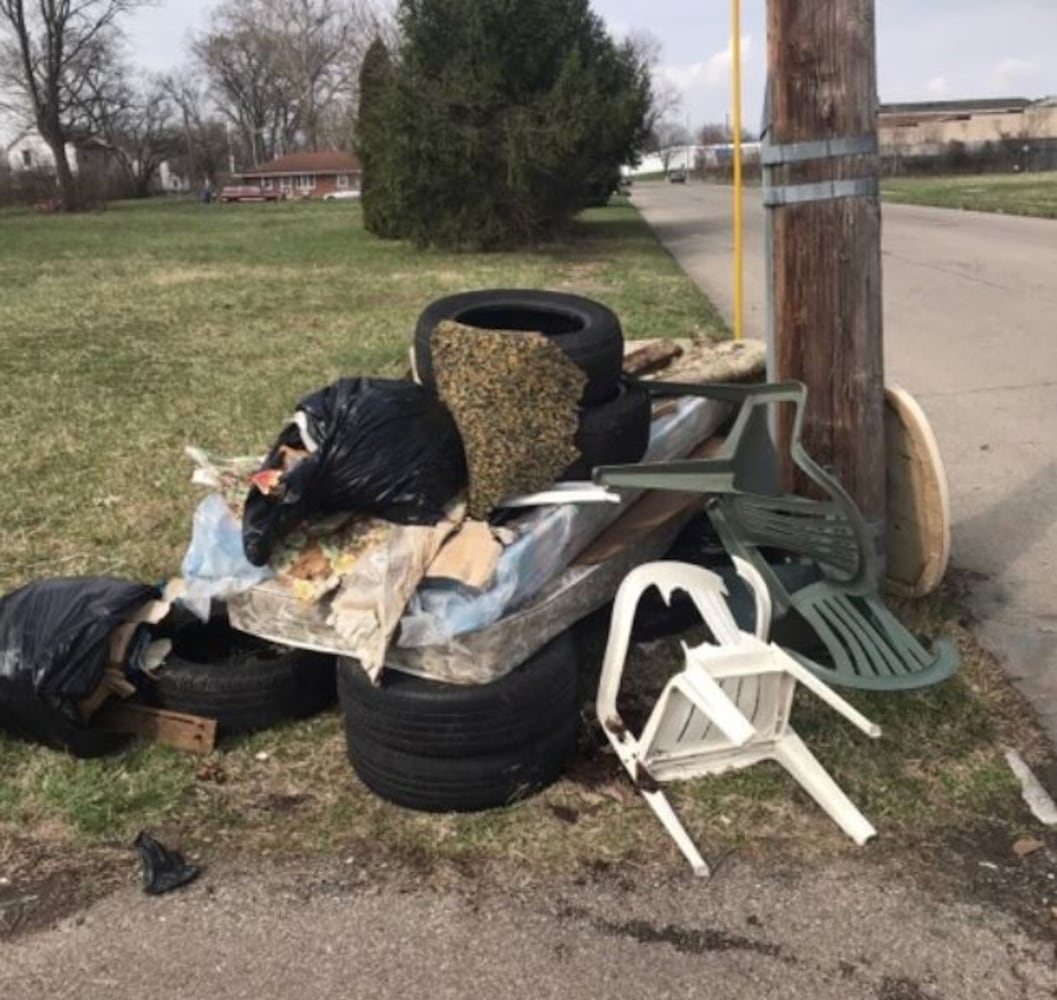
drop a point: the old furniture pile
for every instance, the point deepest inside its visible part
(422, 548)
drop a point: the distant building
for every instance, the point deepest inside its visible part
(171, 180)
(928, 128)
(29, 153)
(692, 157)
(307, 175)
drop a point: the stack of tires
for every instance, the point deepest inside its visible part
(439, 747)
(614, 416)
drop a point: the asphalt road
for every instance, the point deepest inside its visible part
(970, 327)
(849, 932)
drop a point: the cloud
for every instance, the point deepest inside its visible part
(938, 86)
(1013, 72)
(711, 75)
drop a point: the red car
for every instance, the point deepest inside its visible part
(247, 192)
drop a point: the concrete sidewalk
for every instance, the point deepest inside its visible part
(971, 330)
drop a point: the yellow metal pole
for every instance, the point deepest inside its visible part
(739, 281)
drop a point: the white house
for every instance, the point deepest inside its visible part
(29, 152)
(172, 181)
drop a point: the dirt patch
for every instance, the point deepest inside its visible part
(50, 884)
(584, 278)
(979, 865)
(170, 277)
(690, 941)
(901, 989)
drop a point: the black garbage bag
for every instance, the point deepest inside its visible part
(380, 447)
(54, 638)
(163, 869)
(54, 633)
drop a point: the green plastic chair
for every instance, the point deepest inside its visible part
(866, 644)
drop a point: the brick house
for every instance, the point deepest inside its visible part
(307, 175)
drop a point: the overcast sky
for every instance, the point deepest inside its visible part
(926, 48)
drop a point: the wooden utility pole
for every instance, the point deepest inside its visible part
(824, 225)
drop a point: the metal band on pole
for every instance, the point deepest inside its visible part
(798, 194)
(817, 149)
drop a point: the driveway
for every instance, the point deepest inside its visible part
(970, 312)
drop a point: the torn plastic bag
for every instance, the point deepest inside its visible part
(55, 634)
(379, 447)
(163, 869)
(215, 565)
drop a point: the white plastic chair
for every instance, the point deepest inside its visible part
(728, 708)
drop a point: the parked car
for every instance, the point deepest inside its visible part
(677, 175)
(247, 192)
(349, 194)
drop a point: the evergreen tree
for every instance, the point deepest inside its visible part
(504, 118)
(377, 191)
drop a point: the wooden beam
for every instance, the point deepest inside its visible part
(192, 733)
(826, 253)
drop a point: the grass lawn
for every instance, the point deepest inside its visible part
(126, 335)
(1013, 194)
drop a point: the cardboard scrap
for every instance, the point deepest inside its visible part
(470, 556)
(114, 682)
(1027, 845)
(375, 590)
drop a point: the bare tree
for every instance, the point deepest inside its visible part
(280, 68)
(48, 52)
(666, 98)
(238, 55)
(713, 134)
(667, 138)
(206, 151)
(721, 134)
(138, 127)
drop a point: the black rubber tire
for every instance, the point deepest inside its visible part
(416, 716)
(461, 784)
(616, 432)
(245, 683)
(588, 332)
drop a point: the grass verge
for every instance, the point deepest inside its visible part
(1012, 194)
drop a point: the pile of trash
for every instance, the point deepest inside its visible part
(385, 510)
(420, 548)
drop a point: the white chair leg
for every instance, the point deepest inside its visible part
(663, 810)
(822, 691)
(761, 595)
(791, 752)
